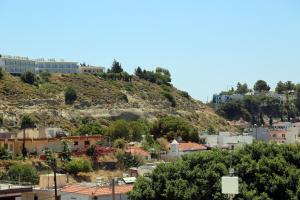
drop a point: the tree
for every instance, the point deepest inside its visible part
(28, 77)
(24, 173)
(1, 120)
(4, 153)
(127, 160)
(139, 72)
(119, 129)
(70, 95)
(26, 122)
(90, 129)
(265, 171)
(241, 88)
(116, 67)
(1, 73)
(45, 76)
(261, 86)
(78, 165)
(211, 130)
(171, 127)
(119, 143)
(66, 153)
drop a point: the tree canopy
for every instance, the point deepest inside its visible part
(261, 86)
(265, 171)
(115, 67)
(172, 127)
(70, 95)
(28, 77)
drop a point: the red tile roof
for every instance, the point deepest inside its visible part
(191, 146)
(137, 151)
(96, 191)
(278, 132)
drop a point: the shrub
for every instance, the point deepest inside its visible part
(1, 73)
(185, 94)
(24, 173)
(170, 98)
(79, 165)
(70, 95)
(119, 143)
(28, 77)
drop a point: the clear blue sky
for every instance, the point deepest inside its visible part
(207, 45)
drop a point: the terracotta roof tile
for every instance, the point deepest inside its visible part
(96, 191)
(137, 151)
(191, 146)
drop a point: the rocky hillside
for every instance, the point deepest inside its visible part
(105, 100)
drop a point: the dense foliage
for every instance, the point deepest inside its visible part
(23, 173)
(265, 171)
(160, 76)
(78, 165)
(1, 73)
(130, 131)
(28, 77)
(173, 127)
(70, 95)
(127, 160)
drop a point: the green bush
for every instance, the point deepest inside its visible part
(28, 77)
(79, 165)
(70, 95)
(1, 73)
(265, 171)
(170, 98)
(185, 94)
(24, 173)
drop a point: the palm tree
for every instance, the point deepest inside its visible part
(27, 122)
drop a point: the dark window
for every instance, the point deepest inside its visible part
(86, 142)
(75, 143)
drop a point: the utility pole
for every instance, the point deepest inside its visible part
(54, 167)
(113, 189)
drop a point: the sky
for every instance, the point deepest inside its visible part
(207, 45)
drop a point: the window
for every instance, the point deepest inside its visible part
(274, 135)
(283, 135)
(87, 142)
(75, 143)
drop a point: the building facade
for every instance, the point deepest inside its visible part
(19, 65)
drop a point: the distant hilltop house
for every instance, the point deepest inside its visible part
(18, 65)
(226, 140)
(226, 98)
(280, 133)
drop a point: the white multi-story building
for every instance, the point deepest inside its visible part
(19, 65)
(16, 64)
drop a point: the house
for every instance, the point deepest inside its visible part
(289, 136)
(14, 191)
(87, 192)
(19, 65)
(91, 70)
(261, 134)
(219, 99)
(177, 149)
(39, 145)
(138, 151)
(227, 140)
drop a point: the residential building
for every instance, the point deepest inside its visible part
(54, 66)
(219, 99)
(177, 149)
(91, 70)
(87, 192)
(39, 145)
(289, 136)
(261, 134)
(138, 151)
(10, 191)
(227, 140)
(18, 65)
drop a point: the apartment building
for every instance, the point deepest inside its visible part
(18, 65)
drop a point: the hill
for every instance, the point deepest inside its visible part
(105, 100)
